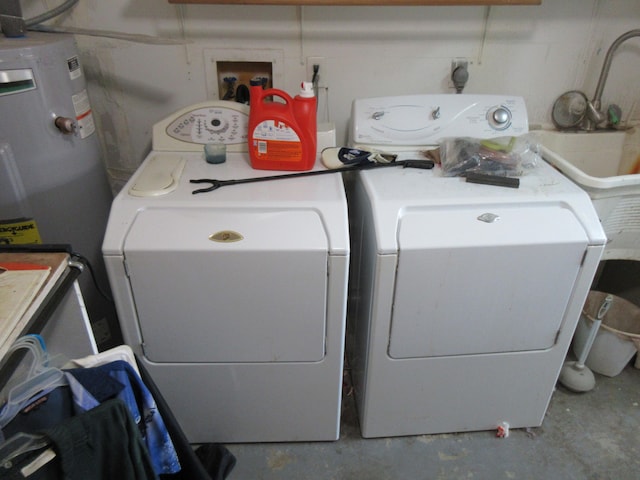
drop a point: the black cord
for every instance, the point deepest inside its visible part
(242, 94)
(86, 262)
(314, 82)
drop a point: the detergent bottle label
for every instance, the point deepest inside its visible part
(275, 140)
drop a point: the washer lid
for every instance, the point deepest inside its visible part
(322, 194)
(229, 285)
(160, 175)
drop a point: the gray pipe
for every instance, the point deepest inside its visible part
(13, 24)
(11, 21)
(54, 12)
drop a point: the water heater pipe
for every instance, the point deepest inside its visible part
(11, 21)
(54, 12)
(13, 24)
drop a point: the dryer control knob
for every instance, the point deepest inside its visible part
(499, 118)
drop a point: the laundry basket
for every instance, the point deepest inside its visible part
(618, 338)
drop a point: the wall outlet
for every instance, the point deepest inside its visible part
(459, 62)
(455, 63)
(322, 72)
(101, 331)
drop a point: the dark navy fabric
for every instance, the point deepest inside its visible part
(139, 401)
(45, 411)
(102, 444)
(13, 470)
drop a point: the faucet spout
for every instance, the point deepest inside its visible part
(594, 113)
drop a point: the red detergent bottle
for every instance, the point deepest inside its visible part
(282, 136)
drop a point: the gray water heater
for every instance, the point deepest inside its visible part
(50, 165)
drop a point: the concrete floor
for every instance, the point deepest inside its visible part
(594, 435)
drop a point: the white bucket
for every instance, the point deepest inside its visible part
(618, 338)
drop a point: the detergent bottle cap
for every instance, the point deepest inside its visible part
(306, 90)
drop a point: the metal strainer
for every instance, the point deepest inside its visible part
(569, 109)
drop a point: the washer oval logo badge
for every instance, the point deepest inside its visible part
(226, 236)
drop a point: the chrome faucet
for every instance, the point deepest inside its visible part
(594, 114)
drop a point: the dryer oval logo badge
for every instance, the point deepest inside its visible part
(489, 217)
(226, 236)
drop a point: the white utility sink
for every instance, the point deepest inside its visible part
(597, 160)
(606, 164)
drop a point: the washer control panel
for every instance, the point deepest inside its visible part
(209, 122)
(415, 120)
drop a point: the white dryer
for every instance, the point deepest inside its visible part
(235, 299)
(465, 296)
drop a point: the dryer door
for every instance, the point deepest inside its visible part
(468, 285)
(213, 285)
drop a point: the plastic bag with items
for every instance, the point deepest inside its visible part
(505, 156)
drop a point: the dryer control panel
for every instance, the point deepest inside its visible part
(192, 127)
(422, 120)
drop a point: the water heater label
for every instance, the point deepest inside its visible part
(84, 117)
(275, 140)
(73, 64)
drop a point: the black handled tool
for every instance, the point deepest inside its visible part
(487, 179)
(215, 184)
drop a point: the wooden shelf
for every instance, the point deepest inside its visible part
(12, 326)
(364, 2)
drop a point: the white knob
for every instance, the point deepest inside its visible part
(501, 116)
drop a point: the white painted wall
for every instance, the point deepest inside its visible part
(537, 52)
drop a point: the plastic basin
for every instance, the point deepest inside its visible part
(606, 164)
(616, 340)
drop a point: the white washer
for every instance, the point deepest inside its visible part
(458, 322)
(235, 299)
